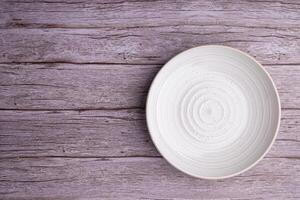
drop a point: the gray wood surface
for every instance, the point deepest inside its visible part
(74, 76)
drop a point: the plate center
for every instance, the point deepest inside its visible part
(211, 112)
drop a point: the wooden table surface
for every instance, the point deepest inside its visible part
(74, 76)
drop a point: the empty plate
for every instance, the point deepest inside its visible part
(213, 112)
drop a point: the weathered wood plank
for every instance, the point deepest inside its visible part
(145, 32)
(140, 13)
(100, 133)
(154, 45)
(73, 133)
(141, 178)
(64, 86)
(68, 86)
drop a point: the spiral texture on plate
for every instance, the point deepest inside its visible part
(213, 111)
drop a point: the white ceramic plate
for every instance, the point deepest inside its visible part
(213, 112)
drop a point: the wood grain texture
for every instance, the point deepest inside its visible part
(140, 178)
(69, 86)
(74, 76)
(72, 133)
(145, 31)
(115, 13)
(99, 133)
(102, 86)
(154, 45)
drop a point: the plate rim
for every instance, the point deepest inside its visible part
(278, 120)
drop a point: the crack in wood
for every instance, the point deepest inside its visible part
(77, 63)
(117, 63)
(91, 109)
(80, 110)
(104, 158)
